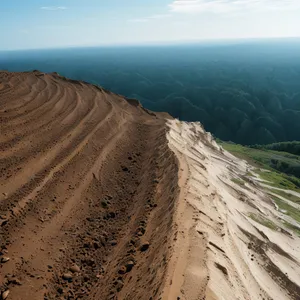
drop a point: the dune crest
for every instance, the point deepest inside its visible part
(87, 180)
(101, 198)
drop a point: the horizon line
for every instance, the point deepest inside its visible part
(159, 43)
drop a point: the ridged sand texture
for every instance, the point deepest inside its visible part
(87, 190)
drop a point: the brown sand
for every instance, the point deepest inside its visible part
(88, 189)
(87, 180)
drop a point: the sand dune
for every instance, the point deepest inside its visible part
(221, 252)
(87, 180)
(102, 199)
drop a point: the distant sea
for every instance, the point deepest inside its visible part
(244, 91)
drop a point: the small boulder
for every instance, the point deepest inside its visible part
(129, 266)
(113, 242)
(145, 246)
(4, 259)
(75, 269)
(5, 295)
(67, 276)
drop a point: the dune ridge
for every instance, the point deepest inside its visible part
(87, 179)
(101, 198)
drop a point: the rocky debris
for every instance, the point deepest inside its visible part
(122, 270)
(67, 276)
(129, 266)
(75, 269)
(12, 280)
(141, 231)
(4, 259)
(5, 295)
(145, 247)
(113, 242)
(119, 285)
(99, 232)
(3, 221)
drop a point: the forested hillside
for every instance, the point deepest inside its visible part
(248, 93)
(288, 147)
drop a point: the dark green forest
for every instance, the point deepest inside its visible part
(246, 92)
(288, 147)
(283, 157)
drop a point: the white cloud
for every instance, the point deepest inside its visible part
(226, 6)
(53, 8)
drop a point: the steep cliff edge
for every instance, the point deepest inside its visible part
(231, 237)
(87, 189)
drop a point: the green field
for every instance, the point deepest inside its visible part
(269, 160)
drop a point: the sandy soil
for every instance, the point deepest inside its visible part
(87, 190)
(102, 199)
(220, 251)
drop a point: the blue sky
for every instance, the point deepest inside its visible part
(26, 24)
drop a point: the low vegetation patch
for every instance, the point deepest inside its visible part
(292, 227)
(285, 195)
(263, 221)
(287, 209)
(279, 180)
(282, 166)
(238, 181)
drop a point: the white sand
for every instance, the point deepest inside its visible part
(219, 252)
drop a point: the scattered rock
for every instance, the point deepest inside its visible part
(67, 276)
(75, 269)
(125, 169)
(141, 231)
(14, 281)
(145, 246)
(113, 243)
(129, 266)
(104, 204)
(3, 222)
(119, 285)
(5, 295)
(122, 270)
(5, 259)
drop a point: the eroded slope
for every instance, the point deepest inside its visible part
(231, 239)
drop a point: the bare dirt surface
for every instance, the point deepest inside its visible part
(87, 192)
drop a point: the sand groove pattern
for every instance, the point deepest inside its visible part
(86, 179)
